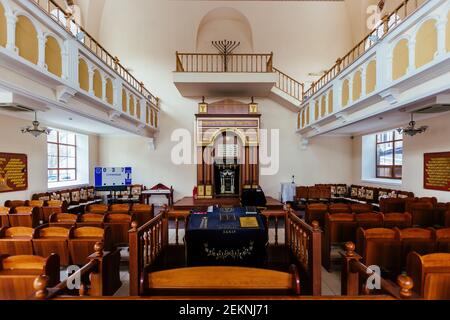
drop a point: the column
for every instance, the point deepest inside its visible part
(70, 62)
(412, 55)
(363, 81)
(247, 166)
(41, 51)
(208, 167)
(255, 168)
(337, 95)
(11, 21)
(91, 80)
(117, 87)
(103, 87)
(441, 37)
(350, 90)
(200, 175)
(384, 60)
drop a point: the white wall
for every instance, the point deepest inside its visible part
(13, 141)
(436, 139)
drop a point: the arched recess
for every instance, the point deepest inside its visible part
(131, 105)
(316, 110)
(400, 61)
(83, 75)
(356, 86)
(330, 102)
(307, 115)
(448, 32)
(147, 114)
(323, 106)
(124, 100)
(138, 109)
(98, 84)
(3, 32)
(371, 76)
(426, 43)
(26, 39)
(53, 58)
(224, 23)
(151, 117)
(345, 93)
(109, 91)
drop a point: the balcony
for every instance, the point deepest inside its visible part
(400, 66)
(48, 59)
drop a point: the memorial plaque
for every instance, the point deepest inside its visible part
(13, 172)
(437, 171)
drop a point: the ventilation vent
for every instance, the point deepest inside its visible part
(14, 108)
(438, 108)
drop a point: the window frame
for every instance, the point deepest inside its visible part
(394, 141)
(58, 169)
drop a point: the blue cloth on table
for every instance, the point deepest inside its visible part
(225, 242)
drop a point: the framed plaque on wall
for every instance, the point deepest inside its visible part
(13, 172)
(437, 171)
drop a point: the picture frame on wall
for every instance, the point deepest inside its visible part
(13, 172)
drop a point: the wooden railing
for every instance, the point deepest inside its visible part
(304, 241)
(102, 271)
(210, 62)
(289, 85)
(353, 271)
(66, 21)
(389, 22)
(275, 216)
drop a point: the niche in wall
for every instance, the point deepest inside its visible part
(426, 43)
(53, 58)
(26, 39)
(3, 33)
(83, 75)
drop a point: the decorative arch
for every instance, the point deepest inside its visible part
(400, 59)
(316, 110)
(83, 74)
(426, 43)
(3, 26)
(323, 105)
(124, 100)
(345, 93)
(98, 84)
(109, 91)
(53, 57)
(371, 76)
(357, 84)
(224, 23)
(138, 109)
(330, 102)
(27, 42)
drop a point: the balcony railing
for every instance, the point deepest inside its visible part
(240, 63)
(289, 85)
(389, 22)
(66, 21)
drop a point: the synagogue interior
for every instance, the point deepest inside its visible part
(214, 149)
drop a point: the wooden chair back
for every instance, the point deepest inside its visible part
(443, 240)
(91, 220)
(16, 241)
(97, 208)
(339, 208)
(64, 220)
(24, 217)
(18, 273)
(142, 213)
(422, 213)
(82, 241)
(430, 274)
(119, 208)
(388, 205)
(369, 220)
(422, 241)
(302, 193)
(4, 217)
(399, 220)
(14, 203)
(48, 240)
(361, 208)
(220, 281)
(316, 212)
(120, 224)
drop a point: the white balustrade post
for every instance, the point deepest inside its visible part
(143, 107)
(91, 80)
(103, 87)
(71, 62)
(337, 95)
(41, 51)
(117, 85)
(384, 59)
(350, 91)
(11, 21)
(412, 54)
(441, 26)
(363, 81)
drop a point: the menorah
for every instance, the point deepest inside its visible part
(225, 48)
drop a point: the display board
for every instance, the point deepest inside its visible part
(13, 172)
(110, 177)
(437, 171)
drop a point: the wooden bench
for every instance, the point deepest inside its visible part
(48, 240)
(24, 217)
(16, 241)
(430, 274)
(83, 239)
(4, 217)
(18, 273)
(120, 224)
(220, 281)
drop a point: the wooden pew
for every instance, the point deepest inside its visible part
(388, 205)
(316, 212)
(142, 213)
(119, 208)
(220, 281)
(91, 220)
(430, 274)
(443, 240)
(358, 208)
(53, 206)
(423, 241)
(64, 220)
(12, 204)
(4, 217)
(48, 240)
(399, 220)
(337, 208)
(18, 273)
(119, 224)
(83, 239)
(16, 241)
(36, 204)
(24, 217)
(97, 208)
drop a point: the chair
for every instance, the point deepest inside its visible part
(52, 240)
(24, 217)
(97, 208)
(369, 220)
(430, 274)
(380, 247)
(314, 194)
(4, 217)
(361, 208)
(120, 224)
(423, 241)
(422, 213)
(388, 205)
(50, 210)
(17, 274)
(82, 241)
(399, 220)
(443, 240)
(14, 203)
(16, 241)
(36, 204)
(64, 220)
(339, 208)
(316, 212)
(142, 213)
(91, 220)
(119, 208)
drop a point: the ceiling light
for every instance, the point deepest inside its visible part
(34, 129)
(411, 130)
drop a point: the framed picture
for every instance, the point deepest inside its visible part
(13, 172)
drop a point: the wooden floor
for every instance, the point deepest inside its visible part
(189, 203)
